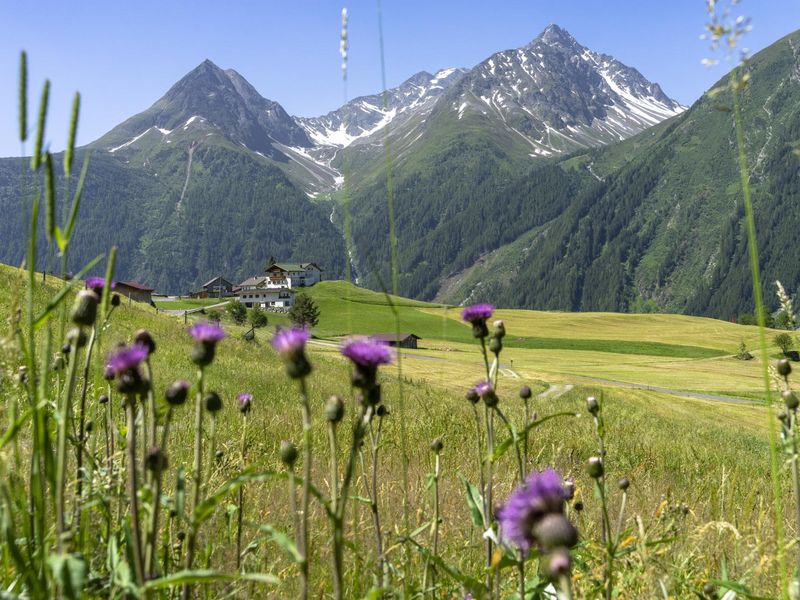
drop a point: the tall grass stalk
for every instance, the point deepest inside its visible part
(395, 291)
(737, 85)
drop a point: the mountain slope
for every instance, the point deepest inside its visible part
(487, 154)
(190, 188)
(665, 228)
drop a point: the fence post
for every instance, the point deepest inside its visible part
(185, 317)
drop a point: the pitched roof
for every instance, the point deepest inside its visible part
(209, 282)
(252, 281)
(238, 290)
(394, 337)
(135, 286)
(293, 266)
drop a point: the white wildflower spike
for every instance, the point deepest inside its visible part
(343, 46)
(785, 302)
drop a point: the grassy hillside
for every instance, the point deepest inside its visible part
(697, 452)
(673, 351)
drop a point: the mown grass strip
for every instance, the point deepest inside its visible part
(615, 346)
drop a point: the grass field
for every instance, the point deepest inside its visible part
(187, 303)
(711, 455)
(670, 351)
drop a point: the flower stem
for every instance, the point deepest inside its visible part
(515, 441)
(307, 442)
(133, 497)
(64, 416)
(82, 432)
(359, 427)
(197, 478)
(373, 497)
(240, 512)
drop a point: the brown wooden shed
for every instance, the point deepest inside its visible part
(134, 291)
(398, 340)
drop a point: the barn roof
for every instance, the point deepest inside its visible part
(394, 337)
(218, 277)
(135, 286)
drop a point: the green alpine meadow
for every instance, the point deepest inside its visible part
(508, 319)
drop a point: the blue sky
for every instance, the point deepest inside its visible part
(122, 56)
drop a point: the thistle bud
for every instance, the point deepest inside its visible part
(245, 403)
(155, 460)
(555, 531)
(623, 484)
(115, 300)
(76, 337)
(89, 427)
(592, 406)
(66, 349)
(181, 536)
(499, 329)
(177, 392)
(784, 367)
(472, 396)
(495, 345)
(578, 506)
(334, 409)
(218, 455)
(558, 563)
(569, 489)
(437, 445)
(789, 399)
(595, 467)
(525, 392)
(84, 310)
(783, 417)
(103, 399)
(144, 338)
(382, 411)
(213, 402)
(288, 453)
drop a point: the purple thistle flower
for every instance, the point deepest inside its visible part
(366, 352)
(206, 332)
(486, 393)
(483, 388)
(245, 401)
(477, 315)
(290, 341)
(540, 495)
(126, 358)
(477, 312)
(96, 284)
(291, 345)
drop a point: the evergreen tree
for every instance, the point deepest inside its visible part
(238, 312)
(258, 318)
(304, 312)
